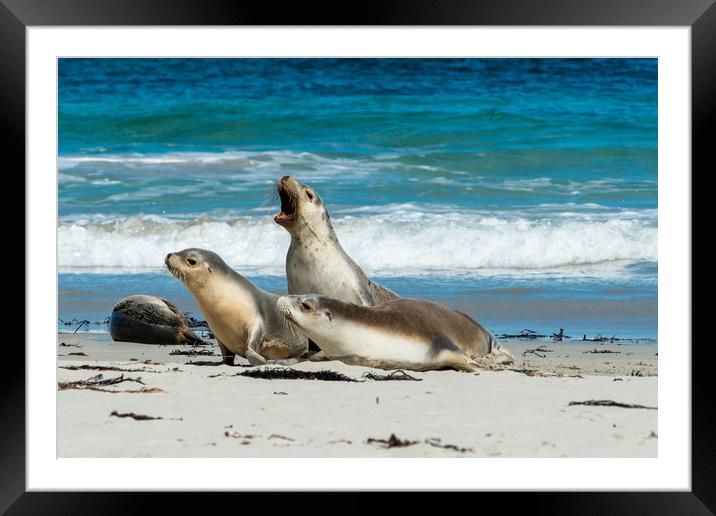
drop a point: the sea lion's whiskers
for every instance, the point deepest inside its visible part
(178, 274)
(291, 325)
(283, 315)
(288, 321)
(269, 200)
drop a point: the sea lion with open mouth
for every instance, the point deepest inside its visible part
(243, 317)
(316, 262)
(400, 334)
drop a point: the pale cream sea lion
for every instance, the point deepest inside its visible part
(316, 262)
(150, 320)
(400, 334)
(243, 317)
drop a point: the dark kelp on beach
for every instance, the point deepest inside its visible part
(609, 403)
(395, 442)
(141, 417)
(537, 351)
(194, 352)
(87, 367)
(97, 381)
(561, 336)
(287, 373)
(395, 375)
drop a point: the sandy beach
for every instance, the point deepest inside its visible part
(157, 404)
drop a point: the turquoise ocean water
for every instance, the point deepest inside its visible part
(523, 191)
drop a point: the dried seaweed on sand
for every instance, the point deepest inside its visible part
(140, 417)
(610, 403)
(96, 381)
(395, 375)
(194, 352)
(286, 373)
(87, 367)
(392, 442)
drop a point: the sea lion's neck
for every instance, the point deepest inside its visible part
(321, 233)
(227, 294)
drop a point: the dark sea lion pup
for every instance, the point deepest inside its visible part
(401, 334)
(150, 320)
(316, 262)
(243, 317)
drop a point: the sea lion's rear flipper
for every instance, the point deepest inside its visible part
(465, 363)
(190, 336)
(499, 354)
(173, 308)
(448, 354)
(193, 339)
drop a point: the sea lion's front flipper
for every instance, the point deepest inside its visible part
(254, 358)
(252, 345)
(228, 356)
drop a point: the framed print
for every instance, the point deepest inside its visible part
(406, 251)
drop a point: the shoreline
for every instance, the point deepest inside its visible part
(208, 411)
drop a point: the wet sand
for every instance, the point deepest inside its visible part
(207, 411)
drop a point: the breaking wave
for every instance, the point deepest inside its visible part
(395, 243)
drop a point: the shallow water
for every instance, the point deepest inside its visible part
(502, 303)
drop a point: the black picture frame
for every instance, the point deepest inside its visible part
(699, 15)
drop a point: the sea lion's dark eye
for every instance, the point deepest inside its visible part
(191, 261)
(328, 314)
(305, 306)
(310, 195)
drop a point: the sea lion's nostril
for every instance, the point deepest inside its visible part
(285, 178)
(168, 257)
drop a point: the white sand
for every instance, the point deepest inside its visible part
(501, 413)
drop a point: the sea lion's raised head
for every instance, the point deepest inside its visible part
(195, 267)
(301, 207)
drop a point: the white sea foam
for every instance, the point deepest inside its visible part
(538, 184)
(230, 159)
(69, 178)
(317, 165)
(402, 241)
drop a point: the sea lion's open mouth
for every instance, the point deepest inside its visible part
(288, 205)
